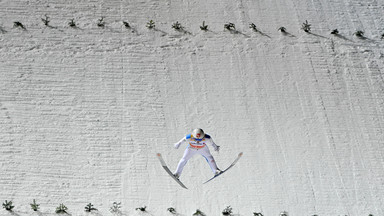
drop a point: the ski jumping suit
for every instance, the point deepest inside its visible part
(196, 147)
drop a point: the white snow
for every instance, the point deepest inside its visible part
(84, 110)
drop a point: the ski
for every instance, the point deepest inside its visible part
(164, 165)
(230, 166)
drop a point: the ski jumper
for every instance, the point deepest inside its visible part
(196, 146)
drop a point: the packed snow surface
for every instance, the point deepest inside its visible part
(85, 109)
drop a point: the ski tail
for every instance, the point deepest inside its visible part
(164, 165)
(230, 166)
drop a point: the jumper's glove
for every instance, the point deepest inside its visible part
(217, 148)
(177, 145)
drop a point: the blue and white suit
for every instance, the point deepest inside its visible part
(196, 146)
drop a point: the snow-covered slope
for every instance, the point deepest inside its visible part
(84, 110)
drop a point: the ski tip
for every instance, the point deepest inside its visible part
(240, 154)
(158, 154)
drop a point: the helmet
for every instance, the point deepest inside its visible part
(198, 133)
